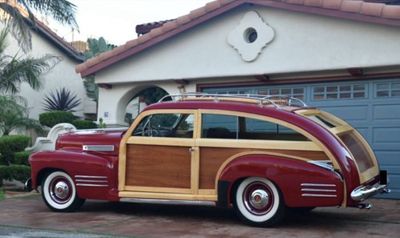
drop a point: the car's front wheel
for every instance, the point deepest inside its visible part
(59, 192)
(258, 202)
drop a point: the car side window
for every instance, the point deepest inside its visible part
(264, 130)
(234, 127)
(219, 126)
(166, 125)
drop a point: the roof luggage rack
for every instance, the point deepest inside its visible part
(274, 100)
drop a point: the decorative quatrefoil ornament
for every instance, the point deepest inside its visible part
(251, 36)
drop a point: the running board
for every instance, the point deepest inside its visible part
(167, 202)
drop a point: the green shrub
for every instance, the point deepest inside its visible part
(17, 171)
(21, 157)
(84, 124)
(52, 118)
(11, 144)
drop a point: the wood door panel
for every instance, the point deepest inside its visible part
(158, 166)
(212, 158)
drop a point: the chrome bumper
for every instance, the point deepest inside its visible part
(363, 192)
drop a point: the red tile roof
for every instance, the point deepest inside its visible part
(348, 9)
(43, 30)
(145, 28)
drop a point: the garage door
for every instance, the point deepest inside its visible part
(372, 107)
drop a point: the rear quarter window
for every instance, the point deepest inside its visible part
(234, 127)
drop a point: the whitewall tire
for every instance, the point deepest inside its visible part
(258, 202)
(59, 192)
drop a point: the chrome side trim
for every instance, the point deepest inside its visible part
(91, 185)
(317, 190)
(89, 176)
(318, 195)
(99, 148)
(325, 164)
(91, 181)
(167, 202)
(318, 184)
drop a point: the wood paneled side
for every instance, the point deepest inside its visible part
(158, 166)
(210, 161)
(212, 158)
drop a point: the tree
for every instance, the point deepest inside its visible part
(19, 16)
(15, 70)
(14, 115)
(96, 47)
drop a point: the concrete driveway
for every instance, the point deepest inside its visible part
(145, 220)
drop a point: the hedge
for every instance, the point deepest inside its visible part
(52, 118)
(17, 172)
(21, 157)
(84, 124)
(11, 144)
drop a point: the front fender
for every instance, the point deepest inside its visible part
(79, 165)
(302, 184)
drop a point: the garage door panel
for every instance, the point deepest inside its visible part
(386, 112)
(387, 135)
(388, 158)
(351, 113)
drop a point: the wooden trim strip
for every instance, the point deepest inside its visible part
(174, 196)
(341, 129)
(143, 140)
(260, 144)
(158, 189)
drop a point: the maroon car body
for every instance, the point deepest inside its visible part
(313, 159)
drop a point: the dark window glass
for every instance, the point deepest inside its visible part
(286, 91)
(219, 126)
(395, 93)
(264, 130)
(345, 88)
(319, 89)
(345, 95)
(166, 125)
(359, 95)
(359, 87)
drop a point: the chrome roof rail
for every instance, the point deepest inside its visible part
(275, 100)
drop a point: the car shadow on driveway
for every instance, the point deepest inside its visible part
(151, 220)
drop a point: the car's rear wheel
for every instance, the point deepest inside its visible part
(258, 202)
(59, 192)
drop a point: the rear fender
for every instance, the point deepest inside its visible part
(302, 184)
(95, 177)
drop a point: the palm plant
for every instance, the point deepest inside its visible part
(19, 14)
(15, 70)
(61, 100)
(14, 115)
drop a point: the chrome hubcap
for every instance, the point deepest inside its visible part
(259, 199)
(61, 190)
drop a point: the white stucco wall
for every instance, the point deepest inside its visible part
(113, 102)
(62, 75)
(303, 42)
(303, 45)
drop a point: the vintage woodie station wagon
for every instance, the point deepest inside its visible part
(261, 155)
